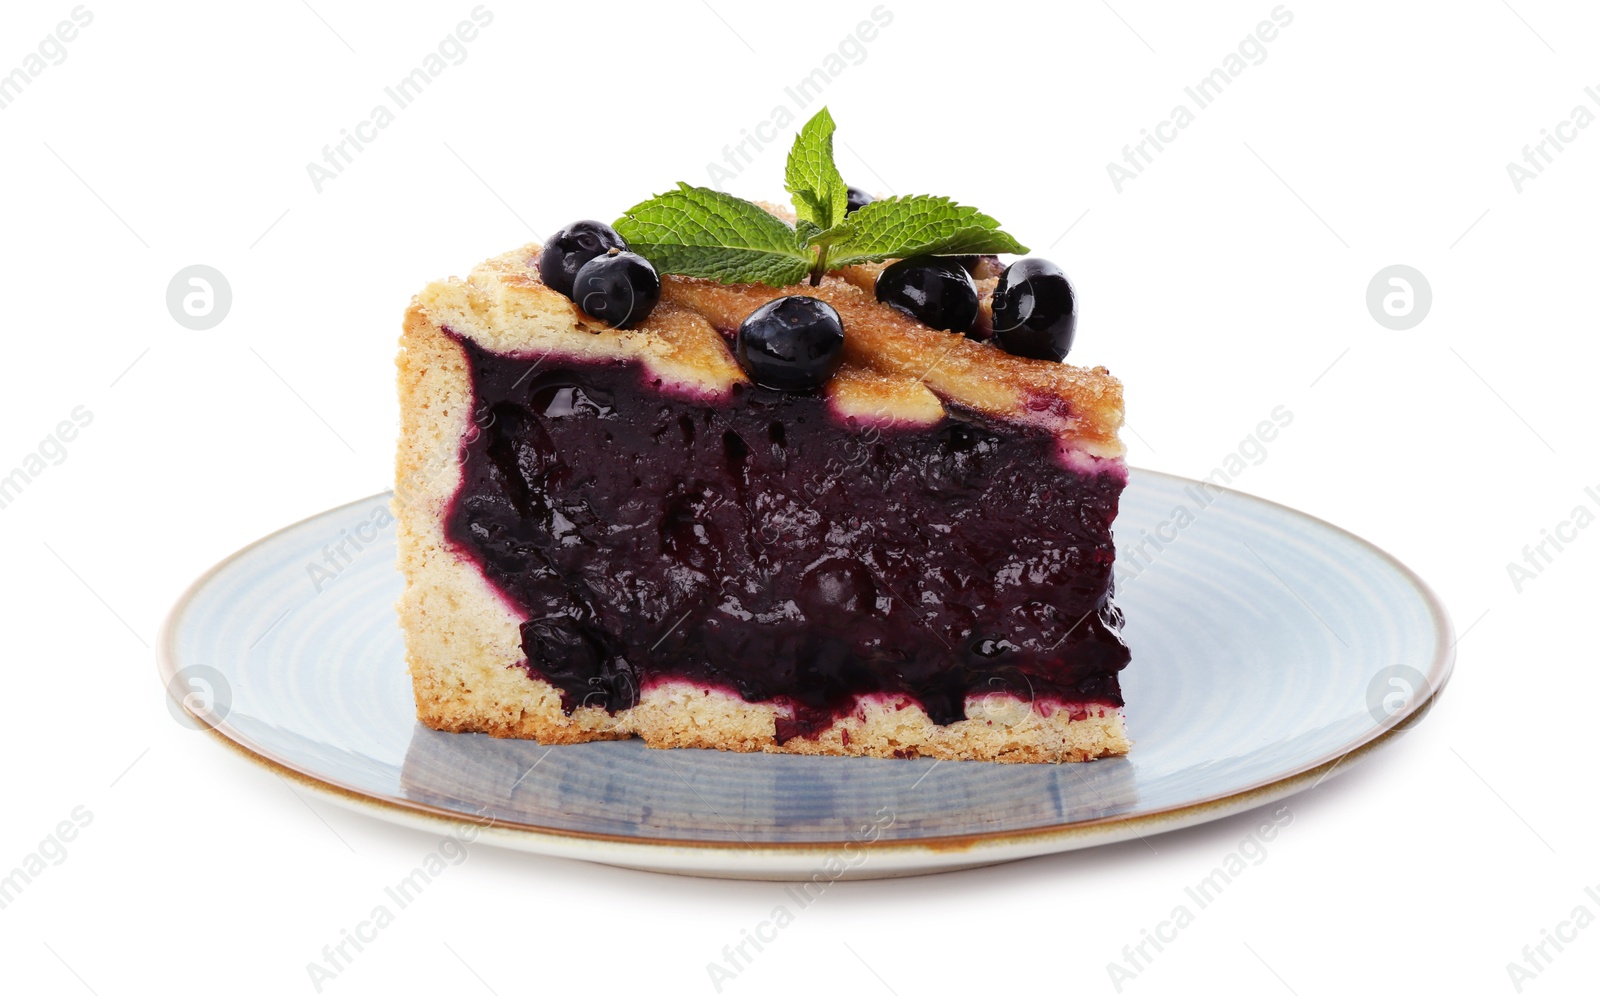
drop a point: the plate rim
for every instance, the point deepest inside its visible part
(1258, 793)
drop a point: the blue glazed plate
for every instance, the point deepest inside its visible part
(1270, 650)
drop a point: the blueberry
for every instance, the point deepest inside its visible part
(791, 344)
(935, 290)
(837, 588)
(1035, 310)
(619, 288)
(857, 199)
(570, 248)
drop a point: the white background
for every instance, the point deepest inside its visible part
(1227, 279)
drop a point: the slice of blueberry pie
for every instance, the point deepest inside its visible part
(722, 475)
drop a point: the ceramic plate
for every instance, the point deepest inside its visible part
(1270, 649)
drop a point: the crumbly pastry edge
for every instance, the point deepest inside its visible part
(463, 641)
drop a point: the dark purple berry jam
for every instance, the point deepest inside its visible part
(760, 546)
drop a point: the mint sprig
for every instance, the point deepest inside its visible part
(700, 232)
(811, 177)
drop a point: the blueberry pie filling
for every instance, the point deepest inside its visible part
(765, 546)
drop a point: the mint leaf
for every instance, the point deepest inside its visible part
(700, 232)
(812, 178)
(917, 225)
